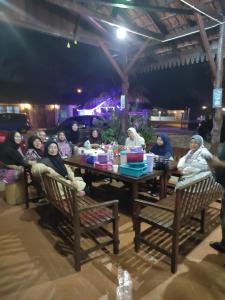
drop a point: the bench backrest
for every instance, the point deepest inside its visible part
(194, 197)
(61, 194)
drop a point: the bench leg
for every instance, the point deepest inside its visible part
(76, 245)
(115, 229)
(202, 229)
(137, 229)
(174, 257)
(115, 237)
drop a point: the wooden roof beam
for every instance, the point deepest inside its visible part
(142, 4)
(85, 12)
(130, 24)
(222, 3)
(193, 4)
(206, 45)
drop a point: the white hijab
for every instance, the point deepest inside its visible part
(137, 141)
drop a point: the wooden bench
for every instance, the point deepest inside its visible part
(168, 216)
(84, 216)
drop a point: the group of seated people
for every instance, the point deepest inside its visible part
(47, 156)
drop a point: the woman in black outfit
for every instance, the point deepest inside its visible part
(73, 134)
(11, 157)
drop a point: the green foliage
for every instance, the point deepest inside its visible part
(113, 132)
(143, 127)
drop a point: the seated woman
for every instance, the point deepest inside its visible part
(163, 146)
(10, 154)
(34, 151)
(73, 134)
(134, 139)
(194, 165)
(95, 139)
(65, 148)
(53, 164)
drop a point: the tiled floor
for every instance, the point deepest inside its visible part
(31, 268)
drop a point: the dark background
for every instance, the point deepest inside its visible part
(39, 68)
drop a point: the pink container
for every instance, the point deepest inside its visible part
(135, 157)
(107, 166)
(102, 158)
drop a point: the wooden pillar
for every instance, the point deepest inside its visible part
(125, 88)
(218, 115)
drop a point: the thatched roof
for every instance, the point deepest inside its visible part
(170, 26)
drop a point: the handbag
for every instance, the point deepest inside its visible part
(161, 163)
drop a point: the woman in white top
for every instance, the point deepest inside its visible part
(194, 165)
(134, 139)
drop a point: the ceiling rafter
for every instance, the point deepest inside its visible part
(84, 12)
(143, 5)
(199, 8)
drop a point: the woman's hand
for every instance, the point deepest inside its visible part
(81, 194)
(53, 172)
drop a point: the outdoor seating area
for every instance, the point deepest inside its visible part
(44, 262)
(112, 150)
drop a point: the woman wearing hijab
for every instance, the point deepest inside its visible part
(73, 135)
(163, 146)
(53, 164)
(95, 138)
(134, 139)
(194, 165)
(11, 157)
(65, 148)
(34, 152)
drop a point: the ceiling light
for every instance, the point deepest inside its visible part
(121, 33)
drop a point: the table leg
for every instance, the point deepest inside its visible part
(163, 186)
(134, 196)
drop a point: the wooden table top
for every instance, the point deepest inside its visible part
(76, 161)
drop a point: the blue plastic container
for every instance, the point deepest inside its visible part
(134, 170)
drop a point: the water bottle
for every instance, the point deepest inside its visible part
(110, 156)
(150, 162)
(123, 157)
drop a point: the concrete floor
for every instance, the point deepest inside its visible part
(32, 268)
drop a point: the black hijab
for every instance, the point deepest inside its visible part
(56, 160)
(31, 140)
(10, 141)
(73, 136)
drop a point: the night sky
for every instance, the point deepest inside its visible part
(39, 68)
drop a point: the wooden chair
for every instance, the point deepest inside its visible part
(30, 181)
(84, 215)
(170, 215)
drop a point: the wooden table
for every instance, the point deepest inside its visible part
(133, 181)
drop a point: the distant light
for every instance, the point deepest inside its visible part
(57, 106)
(25, 106)
(204, 107)
(68, 45)
(79, 91)
(121, 33)
(223, 109)
(75, 42)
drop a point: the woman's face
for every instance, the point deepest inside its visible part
(17, 138)
(52, 149)
(37, 144)
(42, 136)
(193, 145)
(159, 141)
(75, 127)
(62, 136)
(95, 134)
(130, 134)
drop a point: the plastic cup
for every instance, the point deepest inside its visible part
(115, 168)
